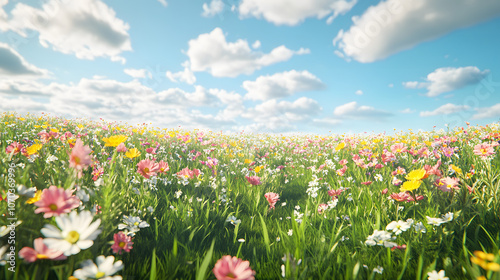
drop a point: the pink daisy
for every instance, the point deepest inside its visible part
(147, 168)
(40, 252)
(79, 158)
(232, 268)
(55, 201)
(484, 150)
(123, 242)
(14, 148)
(254, 180)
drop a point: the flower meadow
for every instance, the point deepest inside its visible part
(84, 199)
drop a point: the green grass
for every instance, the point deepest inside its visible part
(188, 231)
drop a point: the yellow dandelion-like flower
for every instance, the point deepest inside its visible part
(456, 169)
(416, 175)
(33, 149)
(340, 146)
(132, 153)
(36, 198)
(410, 185)
(115, 140)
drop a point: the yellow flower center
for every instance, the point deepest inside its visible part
(72, 237)
(231, 275)
(99, 274)
(41, 256)
(136, 223)
(146, 170)
(121, 244)
(53, 207)
(484, 151)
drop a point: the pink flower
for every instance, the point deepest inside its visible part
(384, 191)
(254, 180)
(233, 268)
(322, 207)
(14, 148)
(147, 168)
(398, 148)
(396, 181)
(335, 193)
(367, 183)
(398, 171)
(187, 173)
(447, 184)
(343, 162)
(342, 170)
(402, 196)
(272, 198)
(123, 242)
(40, 252)
(163, 167)
(79, 158)
(434, 170)
(55, 201)
(121, 148)
(484, 150)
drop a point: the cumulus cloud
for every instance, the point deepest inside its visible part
(286, 12)
(281, 85)
(186, 76)
(212, 53)
(12, 64)
(327, 122)
(487, 112)
(359, 92)
(119, 101)
(137, 73)
(395, 25)
(447, 79)
(446, 109)
(87, 28)
(215, 7)
(352, 110)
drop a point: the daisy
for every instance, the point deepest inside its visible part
(55, 201)
(123, 242)
(75, 232)
(434, 275)
(398, 227)
(102, 269)
(233, 268)
(147, 168)
(132, 224)
(79, 158)
(434, 221)
(40, 252)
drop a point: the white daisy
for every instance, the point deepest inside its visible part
(448, 217)
(398, 227)
(132, 224)
(104, 268)
(76, 232)
(434, 221)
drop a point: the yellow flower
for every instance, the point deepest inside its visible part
(485, 261)
(114, 140)
(456, 169)
(132, 153)
(33, 149)
(340, 146)
(416, 175)
(258, 168)
(248, 160)
(410, 185)
(36, 198)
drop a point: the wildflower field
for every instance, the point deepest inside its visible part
(87, 199)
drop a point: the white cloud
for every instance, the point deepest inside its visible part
(407, 111)
(212, 53)
(395, 25)
(86, 28)
(163, 2)
(274, 116)
(294, 12)
(117, 101)
(215, 7)
(256, 44)
(13, 65)
(352, 110)
(391, 85)
(327, 122)
(359, 92)
(281, 85)
(137, 73)
(448, 79)
(185, 76)
(446, 109)
(488, 112)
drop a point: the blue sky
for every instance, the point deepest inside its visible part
(279, 66)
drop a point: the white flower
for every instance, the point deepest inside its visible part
(333, 203)
(104, 268)
(448, 217)
(51, 158)
(75, 232)
(381, 238)
(434, 221)
(178, 194)
(378, 177)
(419, 227)
(4, 230)
(24, 191)
(378, 269)
(398, 227)
(290, 232)
(434, 275)
(233, 220)
(3, 255)
(132, 224)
